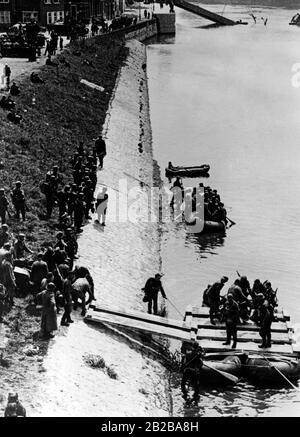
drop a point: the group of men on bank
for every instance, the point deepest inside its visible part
(75, 201)
(52, 278)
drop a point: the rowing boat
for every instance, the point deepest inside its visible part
(201, 170)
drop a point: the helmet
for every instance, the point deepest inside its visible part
(50, 286)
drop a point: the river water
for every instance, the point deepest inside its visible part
(225, 96)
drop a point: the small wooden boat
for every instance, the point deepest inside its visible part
(270, 370)
(201, 170)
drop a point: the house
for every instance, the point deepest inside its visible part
(49, 11)
(43, 11)
(84, 10)
(6, 13)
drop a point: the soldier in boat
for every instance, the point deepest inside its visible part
(213, 298)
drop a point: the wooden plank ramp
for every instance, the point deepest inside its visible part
(217, 346)
(203, 312)
(139, 321)
(243, 336)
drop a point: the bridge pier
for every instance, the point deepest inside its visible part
(166, 23)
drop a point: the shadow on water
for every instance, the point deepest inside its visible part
(161, 39)
(208, 26)
(206, 243)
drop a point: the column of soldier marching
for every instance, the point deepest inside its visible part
(51, 278)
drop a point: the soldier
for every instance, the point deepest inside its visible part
(67, 294)
(49, 317)
(62, 199)
(83, 272)
(60, 241)
(80, 149)
(3, 251)
(89, 197)
(101, 206)
(71, 242)
(265, 322)
(4, 204)
(93, 176)
(240, 298)
(74, 159)
(48, 257)
(4, 235)
(20, 247)
(90, 162)
(59, 256)
(39, 271)
(100, 147)
(152, 288)
(18, 199)
(14, 408)
(77, 176)
(193, 363)
(245, 285)
(72, 199)
(78, 164)
(231, 317)
(65, 222)
(7, 74)
(79, 210)
(3, 295)
(8, 277)
(49, 189)
(213, 297)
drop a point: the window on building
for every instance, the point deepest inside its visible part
(30, 15)
(53, 17)
(4, 1)
(5, 17)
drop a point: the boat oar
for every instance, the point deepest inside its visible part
(230, 377)
(174, 306)
(231, 221)
(280, 373)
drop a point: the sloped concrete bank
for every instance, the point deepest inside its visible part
(121, 256)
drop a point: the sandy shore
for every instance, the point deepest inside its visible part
(121, 257)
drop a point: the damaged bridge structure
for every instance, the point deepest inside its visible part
(204, 13)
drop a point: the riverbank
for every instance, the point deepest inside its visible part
(60, 380)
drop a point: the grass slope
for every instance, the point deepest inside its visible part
(64, 113)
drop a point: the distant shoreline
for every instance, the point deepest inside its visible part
(256, 3)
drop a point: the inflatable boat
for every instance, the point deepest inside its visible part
(270, 370)
(201, 170)
(209, 227)
(210, 373)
